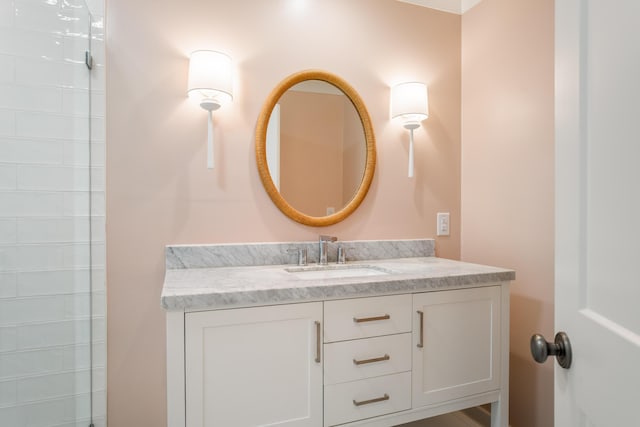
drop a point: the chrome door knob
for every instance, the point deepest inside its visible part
(560, 348)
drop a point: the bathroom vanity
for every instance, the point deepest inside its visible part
(393, 335)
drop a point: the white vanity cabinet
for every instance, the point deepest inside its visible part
(254, 366)
(376, 361)
(367, 367)
(457, 344)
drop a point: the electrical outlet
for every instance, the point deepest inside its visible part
(442, 227)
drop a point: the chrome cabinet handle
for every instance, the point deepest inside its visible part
(367, 402)
(421, 338)
(371, 319)
(318, 343)
(374, 360)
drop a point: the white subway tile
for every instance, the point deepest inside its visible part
(38, 71)
(78, 409)
(97, 44)
(49, 125)
(16, 204)
(7, 13)
(30, 44)
(77, 306)
(44, 72)
(77, 17)
(77, 153)
(55, 178)
(8, 258)
(7, 150)
(69, 332)
(53, 282)
(99, 330)
(99, 354)
(97, 128)
(32, 362)
(77, 203)
(98, 277)
(77, 256)
(49, 230)
(76, 101)
(96, 7)
(16, 311)
(32, 151)
(74, 48)
(8, 393)
(97, 178)
(76, 357)
(7, 69)
(50, 17)
(30, 98)
(98, 100)
(7, 123)
(9, 415)
(7, 177)
(8, 231)
(99, 252)
(76, 75)
(52, 386)
(43, 414)
(8, 285)
(8, 338)
(40, 257)
(98, 229)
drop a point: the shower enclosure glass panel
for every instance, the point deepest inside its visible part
(52, 349)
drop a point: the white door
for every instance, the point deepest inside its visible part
(598, 211)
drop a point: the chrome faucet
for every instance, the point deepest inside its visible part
(323, 244)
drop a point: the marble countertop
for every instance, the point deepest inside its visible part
(187, 289)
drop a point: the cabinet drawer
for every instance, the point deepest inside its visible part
(370, 357)
(366, 398)
(366, 317)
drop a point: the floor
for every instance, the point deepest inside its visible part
(471, 418)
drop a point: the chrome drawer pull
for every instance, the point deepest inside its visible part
(374, 360)
(367, 402)
(371, 319)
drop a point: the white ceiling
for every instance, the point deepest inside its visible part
(452, 6)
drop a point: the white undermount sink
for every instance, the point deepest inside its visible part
(336, 271)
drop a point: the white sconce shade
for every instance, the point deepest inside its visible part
(210, 78)
(410, 103)
(211, 83)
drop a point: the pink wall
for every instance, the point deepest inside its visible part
(508, 179)
(159, 191)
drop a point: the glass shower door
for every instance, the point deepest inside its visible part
(51, 239)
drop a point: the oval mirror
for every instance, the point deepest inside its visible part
(315, 148)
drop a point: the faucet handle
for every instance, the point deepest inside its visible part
(325, 238)
(302, 255)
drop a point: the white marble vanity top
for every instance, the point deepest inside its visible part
(191, 285)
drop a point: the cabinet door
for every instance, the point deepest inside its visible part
(460, 338)
(254, 367)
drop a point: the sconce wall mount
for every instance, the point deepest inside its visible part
(211, 82)
(410, 103)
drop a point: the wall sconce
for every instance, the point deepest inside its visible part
(210, 81)
(410, 103)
